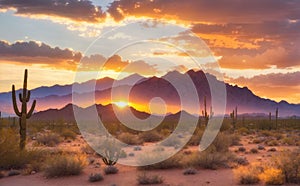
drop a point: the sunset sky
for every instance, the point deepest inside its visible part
(256, 42)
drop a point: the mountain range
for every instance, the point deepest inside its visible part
(142, 90)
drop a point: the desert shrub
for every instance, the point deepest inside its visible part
(11, 155)
(65, 165)
(165, 132)
(234, 140)
(158, 149)
(241, 149)
(272, 149)
(190, 171)
(68, 134)
(196, 137)
(221, 142)
(289, 163)
(209, 159)
(13, 173)
(172, 162)
(266, 133)
(87, 149)
(288, 141)
(150, 136)
(137, 148)
(248, 175)
(2, 175)
(130, 139)
(272, 143)
(111, 170)
(49, 139)
(260, 147)
(254, 150)
(241, 160)
(272, 176)
(243, 130)
(171, 142)
(144, 179)
(95, 177)
(122, 154)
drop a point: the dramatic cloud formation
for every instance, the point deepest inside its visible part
(217, 11)
(33, 52)
(76, 10)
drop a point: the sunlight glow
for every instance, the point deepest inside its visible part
(121, 104)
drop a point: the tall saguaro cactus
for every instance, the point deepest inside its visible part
(276, 118)
(233, 116)
(23, 114)
(204, 112)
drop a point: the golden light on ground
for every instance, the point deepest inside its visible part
(121, 104)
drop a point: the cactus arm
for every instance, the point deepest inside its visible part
(28, 96)
(18, 113)
(29, 114)
(20, 98)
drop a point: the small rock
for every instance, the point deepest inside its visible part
(33, 172)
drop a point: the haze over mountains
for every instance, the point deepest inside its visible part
(144, 89)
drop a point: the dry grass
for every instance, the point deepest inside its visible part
(11, 156)
(145, 179)
(272, 176)
(248, 175)
(130, 139)
(49, 139)
(65, 165)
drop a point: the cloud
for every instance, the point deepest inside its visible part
(273, 79)
(278, 57)
(33, 52)
(117, 64)
(218, 11)
(75, 10)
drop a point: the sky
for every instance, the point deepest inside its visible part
(253, 43)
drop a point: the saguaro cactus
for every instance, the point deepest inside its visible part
(276, 118)
(23, 114)
(204, 112)
(233, 116)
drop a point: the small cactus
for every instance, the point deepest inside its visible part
(205, 115)
(23, 114)
(111, 153)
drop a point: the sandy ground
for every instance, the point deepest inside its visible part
(127, 175)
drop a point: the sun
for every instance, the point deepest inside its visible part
(121, 104)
